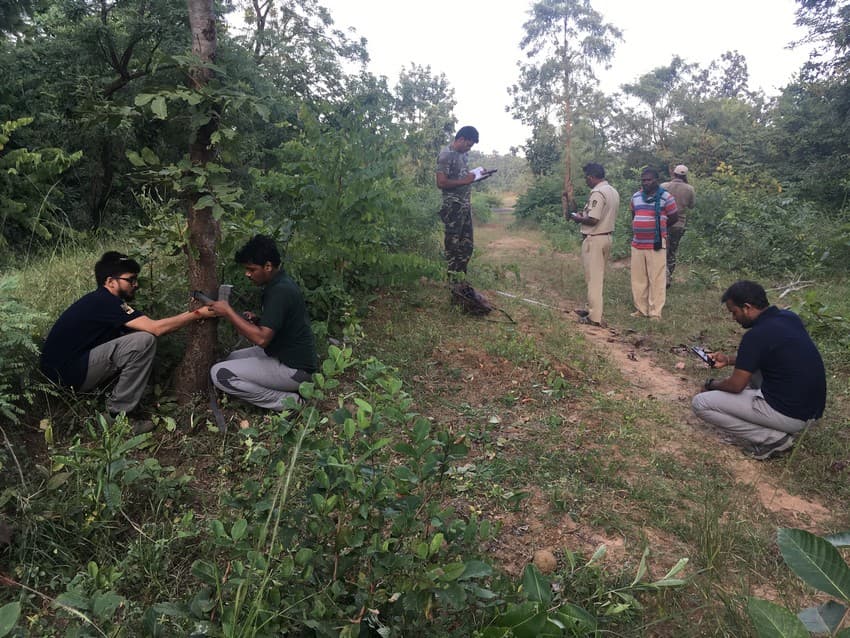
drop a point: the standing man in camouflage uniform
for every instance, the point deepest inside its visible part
(685, 199)
(455, 180)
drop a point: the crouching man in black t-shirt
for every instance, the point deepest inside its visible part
(778, 386)
(284, 354)
(101, 337)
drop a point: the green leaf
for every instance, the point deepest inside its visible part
(105, 604)
(436, 544)
(773, 621)
(143, 98)
(150, 157)
(135, 159)
(815, 561)
(73, 600)
(476, 569)
(58, 480)
(239, 528)
(454, 595)
(576, 617)
(525, 621)
(824, 619)
(679, 566)
(598, 555)
(9, 615)
(303, 556)
(536, 587)
(668, 582)
(205, 572)
(263, 111)
(207, 201)
(159, 108)
(641, 572)
(452, 571)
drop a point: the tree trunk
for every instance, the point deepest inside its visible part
(568, 202)
(193, 371)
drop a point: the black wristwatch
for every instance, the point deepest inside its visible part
(709, 383)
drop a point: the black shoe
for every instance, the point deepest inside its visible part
(581, 313)
(764, 452)
(588, 321)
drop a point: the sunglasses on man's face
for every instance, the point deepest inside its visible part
(133, 281)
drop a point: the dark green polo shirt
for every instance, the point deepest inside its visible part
(285, 312)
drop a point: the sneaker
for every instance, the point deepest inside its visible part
(581, 313)
(143, 427)
(767, 450)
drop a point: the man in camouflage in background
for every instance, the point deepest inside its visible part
(455, 180)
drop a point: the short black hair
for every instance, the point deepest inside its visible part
(594, 170)
(113, 264)
(651, 171)
(468, 133)
(743, 292)
(259, 250)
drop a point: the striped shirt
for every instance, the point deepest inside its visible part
(643, 222)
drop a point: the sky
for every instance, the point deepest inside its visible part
(476, 45)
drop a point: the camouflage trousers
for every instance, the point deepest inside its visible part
(457, 217)
(674, 236)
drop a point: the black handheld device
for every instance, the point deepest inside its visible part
(702, 355)
(199, 296)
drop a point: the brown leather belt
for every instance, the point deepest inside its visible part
(597, 234)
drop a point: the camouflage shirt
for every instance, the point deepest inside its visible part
(453, 165)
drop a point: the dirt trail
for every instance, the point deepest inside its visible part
(631, 355)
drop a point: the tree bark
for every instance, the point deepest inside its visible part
(193, 370)
(568, 202)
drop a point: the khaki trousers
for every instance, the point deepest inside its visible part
(595, 251)
(649, 280)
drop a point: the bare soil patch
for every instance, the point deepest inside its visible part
(535, 525)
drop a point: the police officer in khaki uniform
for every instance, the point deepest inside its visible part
(597, 226)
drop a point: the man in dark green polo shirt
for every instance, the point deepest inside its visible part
(284, 354)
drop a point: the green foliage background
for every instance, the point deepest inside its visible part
(95, 121)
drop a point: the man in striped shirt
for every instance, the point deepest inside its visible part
(653, 209)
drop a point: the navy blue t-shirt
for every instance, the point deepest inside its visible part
(90, 321)
(794, 378)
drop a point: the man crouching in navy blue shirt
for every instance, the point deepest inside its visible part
(101, 337)
(778, 386)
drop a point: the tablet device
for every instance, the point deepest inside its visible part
(702, 355)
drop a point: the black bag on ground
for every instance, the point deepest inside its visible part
(470, 300)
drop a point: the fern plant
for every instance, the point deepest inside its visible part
(18, 351)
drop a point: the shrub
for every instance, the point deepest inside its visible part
(18, 351)
(754, 230)
(542, 201)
